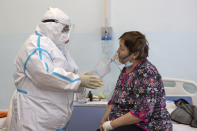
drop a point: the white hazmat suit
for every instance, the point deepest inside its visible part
(46, 77)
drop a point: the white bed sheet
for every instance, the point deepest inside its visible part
(182, 127)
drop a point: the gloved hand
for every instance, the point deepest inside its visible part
(107, 126)
(90, 81)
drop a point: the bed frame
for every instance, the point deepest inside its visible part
(179, 88)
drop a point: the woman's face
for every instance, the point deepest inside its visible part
(123, 51)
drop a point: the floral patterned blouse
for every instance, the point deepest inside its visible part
(141, 92)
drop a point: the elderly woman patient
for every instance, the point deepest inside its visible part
(138, 100)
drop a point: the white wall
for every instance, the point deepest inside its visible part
(170, 27)
(22, 16)
(154, 15)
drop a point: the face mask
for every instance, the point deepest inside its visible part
(128, 63)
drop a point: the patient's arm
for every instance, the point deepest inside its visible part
(105, 117)
(107, 112)
(126, 119)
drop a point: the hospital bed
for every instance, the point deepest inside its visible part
(175, 89)
(180, 89)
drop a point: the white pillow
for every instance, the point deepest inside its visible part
(170, 106)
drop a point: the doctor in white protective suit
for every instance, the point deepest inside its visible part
(46, 77)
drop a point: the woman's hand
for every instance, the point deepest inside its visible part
(107, 126)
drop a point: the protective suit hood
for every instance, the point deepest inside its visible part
(54, 29)
(57, 14)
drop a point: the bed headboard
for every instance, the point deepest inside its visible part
(179, 88)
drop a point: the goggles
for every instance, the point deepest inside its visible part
(66, 27)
